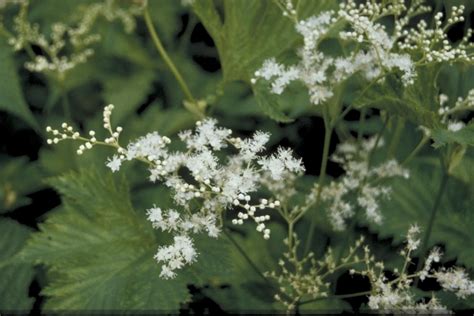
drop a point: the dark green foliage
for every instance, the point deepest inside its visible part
(97, 247)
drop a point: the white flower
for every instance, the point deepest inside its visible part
(280, 163)
(207, 135)
(359, 179)
(413, 242)
(456, 126)
(151, 146)
(434, 256)
(114, 163)
(456, 280)
(155, 216)
(249, 148)
(175, 256)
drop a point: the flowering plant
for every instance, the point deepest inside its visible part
(167, 198)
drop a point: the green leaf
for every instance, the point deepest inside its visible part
(246, 291)
(11, 96)
(269, 104)
(456, 81)
(411, 202)
(214, 264)
(167, 122)
(392, 97)
(99, 251)
(18, 177)
(128, 93)
(248, 32)
(464, 136)
(15, 277)
(115, 42)
(464, 170)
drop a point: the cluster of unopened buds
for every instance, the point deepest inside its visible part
(68, 132)
(448, 113)
(250, 213)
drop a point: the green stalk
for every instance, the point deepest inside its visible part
(191, 103)
(396, 137)
(66, 106)
(246, 257)
(377, 141)
(251, 263)
(434, 211)
(363, 113)
(415, 151)
(322, 176)
(335, 297)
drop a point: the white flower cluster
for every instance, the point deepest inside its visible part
(297, 281)
(413, 242)
(433, 44)
(376, 53)
(450, 114)
(67, 45)
(308, 277)
(434, 256)
(455, 280)
(68, 132)
(390, 299)
(216, 182)
(359, 178)
(320, 72)
(178, 254)
(182, 251)
(465, 103)
(396, 295)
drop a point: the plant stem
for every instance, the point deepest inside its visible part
(335, 297)
(377, 141)
(396, 137)
(415, 151)
(66, 106)
(252, 264)
(363, 113)
(290, 235)
(434, 211)
(322, 175)
(191, 103)
(246, 257)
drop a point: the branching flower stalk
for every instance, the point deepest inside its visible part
(322, 176)
(387, 295)
(68, 45)
(217, 185)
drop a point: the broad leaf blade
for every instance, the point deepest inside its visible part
(389, 95)
(11, 96)
(411, 202)
(248, 32)
(464, 136)
(15, 277)
(99, 251)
